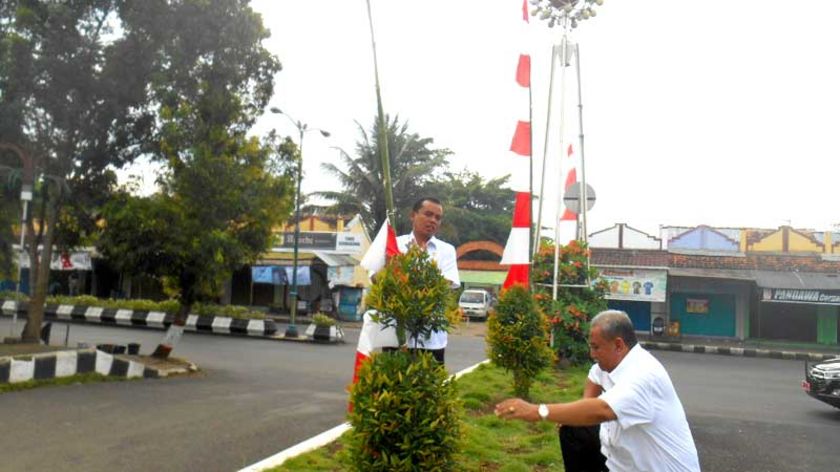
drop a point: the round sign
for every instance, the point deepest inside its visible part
(571, 199)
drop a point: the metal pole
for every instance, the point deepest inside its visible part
(291, 330)
(545, 149)
(584, 200)
(563, 53)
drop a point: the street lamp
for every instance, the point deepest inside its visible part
(291, 330)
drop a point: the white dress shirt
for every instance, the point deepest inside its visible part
(651, 432)
(447, 261)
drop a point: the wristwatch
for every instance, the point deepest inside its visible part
(543, 411)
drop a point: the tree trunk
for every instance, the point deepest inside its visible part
(39, 272)
(174, 332)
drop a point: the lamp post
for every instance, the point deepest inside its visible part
(291, 330)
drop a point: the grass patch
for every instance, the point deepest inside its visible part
(71, 380)
(489, 444)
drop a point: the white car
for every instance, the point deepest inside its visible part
(475, 303)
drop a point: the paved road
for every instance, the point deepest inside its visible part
(750, 415)
(253, 399)
(256, 398)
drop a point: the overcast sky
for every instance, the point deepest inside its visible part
(696, 112)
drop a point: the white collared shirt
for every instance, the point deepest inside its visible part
(651, 432)
(444, 255)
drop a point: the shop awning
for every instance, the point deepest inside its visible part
(482, 277)
(796, 280)
(711, 273)
(336, 260)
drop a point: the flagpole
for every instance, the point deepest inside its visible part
(383, 130)
(564, 44)
(545, 148)
(584, 198)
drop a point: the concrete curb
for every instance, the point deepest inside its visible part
(50, 365)
(146, 319)
(737, 351)
(322, 439)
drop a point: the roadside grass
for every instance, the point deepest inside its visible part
(489, 443)
(60, 381)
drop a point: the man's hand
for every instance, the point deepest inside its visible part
(517, 409)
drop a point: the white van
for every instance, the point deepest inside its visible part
(475, 303)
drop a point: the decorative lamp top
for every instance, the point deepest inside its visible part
(564, 12)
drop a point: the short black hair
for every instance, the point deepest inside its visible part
(419, 203)
(615, 324)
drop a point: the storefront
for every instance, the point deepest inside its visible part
(801, 307)
(641, 293)
(710, 302)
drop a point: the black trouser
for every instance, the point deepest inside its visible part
(436, 353)
(581, 449)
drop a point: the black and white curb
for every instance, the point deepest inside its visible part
(50, 365)
(329, 334)
(737, 351)
(147, 319)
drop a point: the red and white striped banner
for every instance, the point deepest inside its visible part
(517, 252)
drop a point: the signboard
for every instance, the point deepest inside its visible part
(644, 285)
(273, 275)
(784, 295)
(346, 243)
(307, 241)
(697, 306)
(350, 243)
(67, 261)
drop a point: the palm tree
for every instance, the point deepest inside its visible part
(415, 165)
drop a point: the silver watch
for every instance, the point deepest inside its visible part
(543, 411)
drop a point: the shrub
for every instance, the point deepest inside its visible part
(323, 320)
(570, 314)
(517, 338)
(406, 415)
(412, 296)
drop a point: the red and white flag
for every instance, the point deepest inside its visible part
(373, 337)
(517, 252)
(384, 246)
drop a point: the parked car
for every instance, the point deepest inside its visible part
(475, 303)
(822, 381)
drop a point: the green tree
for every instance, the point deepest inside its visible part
(221, 195)
(415, 165)
(89, 85)
(475, 209)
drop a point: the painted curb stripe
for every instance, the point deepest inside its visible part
(44, 368)
(5, 370)
(21, 371)
(64, 312)
(85, 362)
(119, 368)
(65, 363)
(155, 318)
(123, 317)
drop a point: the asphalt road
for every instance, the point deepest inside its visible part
(750, 415)
(255, 398)
(252, 399)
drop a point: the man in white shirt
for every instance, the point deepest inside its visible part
(426, 215)
(629, 393)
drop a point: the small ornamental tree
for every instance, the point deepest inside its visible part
(517, 338)
(570, 314)
(412, 296)
(406, 412)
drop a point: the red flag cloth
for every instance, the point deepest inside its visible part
(521, 143)
(523, 70)
(517, 274)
